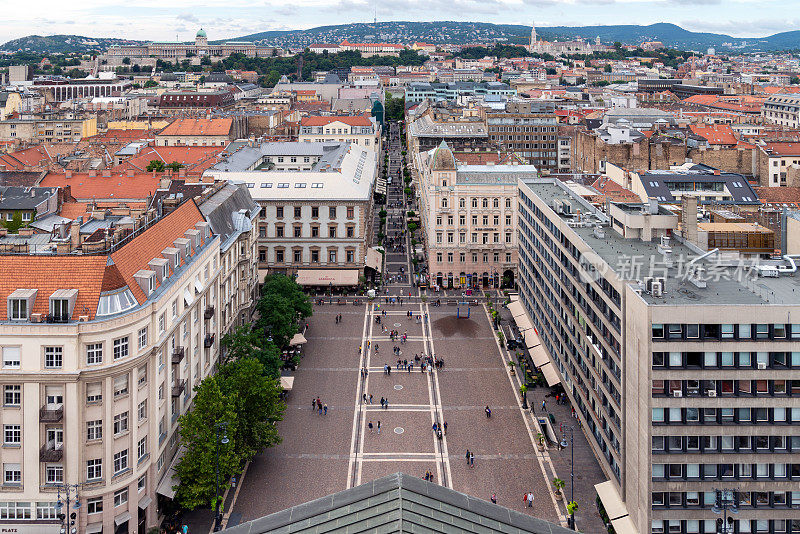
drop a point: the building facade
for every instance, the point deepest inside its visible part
(684, 383)
(783, 110)
(100, 355)
(469, 216)
(529, 129)
(359, 129)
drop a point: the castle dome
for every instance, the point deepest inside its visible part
(201, 33)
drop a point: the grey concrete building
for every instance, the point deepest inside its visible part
(683, 367)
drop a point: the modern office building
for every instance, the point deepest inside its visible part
(103, 341)
(683, 366)
(469, 217)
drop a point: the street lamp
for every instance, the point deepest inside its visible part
(68, 518)
(571, 444)
(223, 440)
(724, 502)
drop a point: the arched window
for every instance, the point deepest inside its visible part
(462, 203)
(485, 202)
(496, 203)
(444, 202)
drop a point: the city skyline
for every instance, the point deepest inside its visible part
(179, 19)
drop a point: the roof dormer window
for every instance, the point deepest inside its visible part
(20, 303)
(146, 280)
(62, 302)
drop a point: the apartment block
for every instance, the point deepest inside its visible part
(102, 344)
(529, 129)
(682, 364)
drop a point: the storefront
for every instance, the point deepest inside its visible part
(328, 277)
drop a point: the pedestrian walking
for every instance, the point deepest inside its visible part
(467, 456)
(313, 404)
(544, 405)
(324, 409)
(379, 427)
(386, 405)
(370, 427)
(445, 428)
(488, 412)
(319, 408)
(472, 459)
(530, 499)
(494, 498)
(370, 398)
(383, 401)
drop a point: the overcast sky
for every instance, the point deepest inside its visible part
(168, 19)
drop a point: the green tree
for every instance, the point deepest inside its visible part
(198, 431)
(175, 166)
(126, 61)
(607, 68)
(77, 73)
(281, 305)
(244, 342)
(273, 78)
(150, 83)
(15, 223)
(155, 165)
(395, 107)
(257, 403)
(795, 80)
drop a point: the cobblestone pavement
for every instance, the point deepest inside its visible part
(322, 454)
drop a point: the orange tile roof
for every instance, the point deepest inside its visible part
(778, 195)
(73, 210)
(613, 191)
(198, 127)
(783, 149)
(48, 274)
(351, 120)
(717, 134)
(118, 186)
(193, 158)
(148, 245)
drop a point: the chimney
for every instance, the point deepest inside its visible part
(75, 233)
(716, 172)
(92, 173)
(129, 174)
(68, 174)
(106, 173)
(689, 218)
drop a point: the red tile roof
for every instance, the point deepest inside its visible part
(611, 190)
(193, 158)
(198, 127)
(783, 149)
(716, 134)
(148, 245)
(779, 195)
(118, 186)
(351, 120)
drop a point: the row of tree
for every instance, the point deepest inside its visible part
(242, 401)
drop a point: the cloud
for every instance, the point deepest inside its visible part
(188, 17)
(753, 28)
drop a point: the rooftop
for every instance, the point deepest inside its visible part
(198, 127)
(630, 259)
(400, 504)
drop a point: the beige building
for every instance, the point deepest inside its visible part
(681, 365)
(100, 355)
(316, 208)
(197, 132)
(782, 109)
(50, 128)
(359, 129)
(470, 221)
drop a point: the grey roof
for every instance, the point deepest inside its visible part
(346, 104)
(229, 211)
(218, 77)
(246, 156)
(655, 183)
(398, 503)
(24, 198)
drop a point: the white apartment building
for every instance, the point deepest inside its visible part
(100, 354)
(315, 221)
(359, 129)
(782, 109)
(469, 217)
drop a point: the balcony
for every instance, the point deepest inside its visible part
(51, 452)
(51, 415)
(177, 355)
(209, 313)
(208, 342)
(178, 387)
(50, 318)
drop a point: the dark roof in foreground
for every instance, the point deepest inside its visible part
(394, 504)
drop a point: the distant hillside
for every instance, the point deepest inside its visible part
(469, 32)
(61, 44)
(452, 32)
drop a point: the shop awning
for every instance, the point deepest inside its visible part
(539, 356)
(93, 528)
(516, 309)
(298, 339)
(327, 277)
(124, 517)
(145, 502)
(611, 500)
(287, 382)
(170, 478)
(531, 338)
(550, 374)
(624, 525)
(374, 259)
